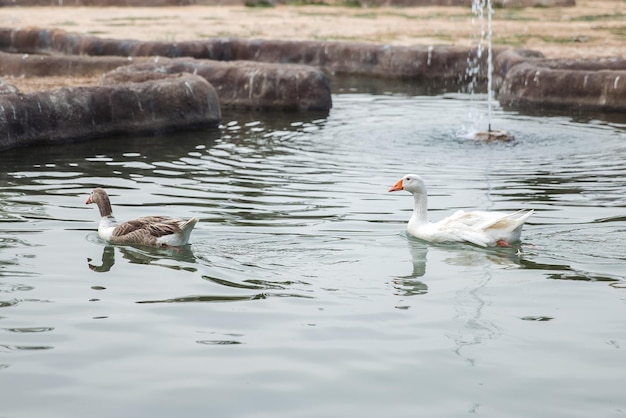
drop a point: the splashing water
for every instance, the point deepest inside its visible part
(473, 71)
(489, 63)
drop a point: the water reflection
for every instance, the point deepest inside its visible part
(557, 271)
(147, 256)
(222, 339)
(4, 347)
(253, 284)
(410, 285)
(451, 255)
(583, 116)
(207, 298)
(225, 298)
(469, 305)
(383, 86)
(419, 253)
(471, 256)
(108, 260)
(463, 255)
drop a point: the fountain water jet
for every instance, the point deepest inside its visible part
(478, 7)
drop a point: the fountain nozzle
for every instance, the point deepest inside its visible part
(493, 135)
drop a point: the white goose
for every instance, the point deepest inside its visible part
(157, 231)
(486, 229)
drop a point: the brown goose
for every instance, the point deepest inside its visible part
(157, 231)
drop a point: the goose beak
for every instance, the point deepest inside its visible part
(89, 201)
(397, 186)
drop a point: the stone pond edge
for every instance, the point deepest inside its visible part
(260, 74)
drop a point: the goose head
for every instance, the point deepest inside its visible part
(101, 199)
(412, 183)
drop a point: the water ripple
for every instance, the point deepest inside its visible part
(14, 287)
(225, 298)
(6, 347)
(29, 329)
(219, 342)
(9, 303)
(301, 271)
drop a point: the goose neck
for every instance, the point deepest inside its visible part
(104, 206)
(420, 208)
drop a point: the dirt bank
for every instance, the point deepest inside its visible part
(589, 29)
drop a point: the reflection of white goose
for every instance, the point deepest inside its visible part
(486, 229)
(149, 230)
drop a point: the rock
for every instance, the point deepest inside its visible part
(535, 85)
(409, 62)
(6, 88)
(506, 59)
(243, 83)
(266, 74)
(37, 65)
(81, 113)
(414, 62)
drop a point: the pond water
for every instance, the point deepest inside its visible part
(301, 294)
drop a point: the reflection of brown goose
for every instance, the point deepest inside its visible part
(486, 229)
(149, 230)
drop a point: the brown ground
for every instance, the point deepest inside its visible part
(592, 28)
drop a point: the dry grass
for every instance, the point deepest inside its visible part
(590, 29)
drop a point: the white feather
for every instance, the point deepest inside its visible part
(482, 228)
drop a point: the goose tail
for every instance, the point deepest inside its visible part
(186, 227)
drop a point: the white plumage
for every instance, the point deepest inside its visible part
(486, 229)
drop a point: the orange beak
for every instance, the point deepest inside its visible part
(397, 186)
(88, 200)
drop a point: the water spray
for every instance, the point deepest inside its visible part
(478, 7)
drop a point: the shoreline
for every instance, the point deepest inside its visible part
(113, 48)
(589, 30)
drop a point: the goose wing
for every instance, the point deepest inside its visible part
(154, 226)
(483, 228)
(482, 220)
